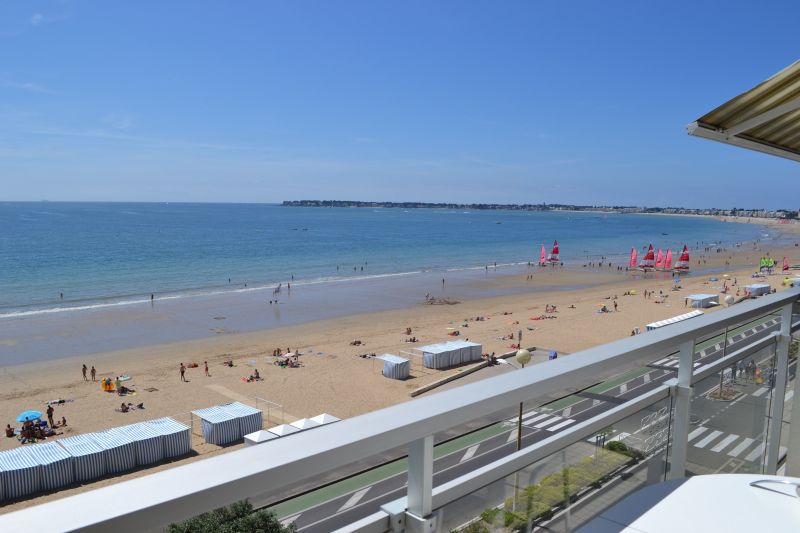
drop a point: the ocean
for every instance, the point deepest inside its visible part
(117, 254)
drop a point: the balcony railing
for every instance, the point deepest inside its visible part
(669, 431)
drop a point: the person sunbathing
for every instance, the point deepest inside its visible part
(123, 408)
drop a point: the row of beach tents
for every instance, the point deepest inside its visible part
(81, 458)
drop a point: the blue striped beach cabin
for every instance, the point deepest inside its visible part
(250, 419)
(55, 465)
(219, 425)
(148, 443)
(19, 473)
(176, 437)
(88, 457)
(120, 450)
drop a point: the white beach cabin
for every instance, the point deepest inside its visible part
(257, 437)
(449, 354)
(395, 367)
(702, 301)
(304, 424)
(325, 418)
(758, 289)
(283, 430)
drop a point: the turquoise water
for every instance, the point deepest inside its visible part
(110, 254)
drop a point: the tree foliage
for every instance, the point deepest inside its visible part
(236, 518)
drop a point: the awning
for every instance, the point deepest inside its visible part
(766, 118)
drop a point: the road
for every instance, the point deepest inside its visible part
(346, 501)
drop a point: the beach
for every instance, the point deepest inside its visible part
(332, 376)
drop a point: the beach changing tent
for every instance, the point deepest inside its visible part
(19, 473)
(701, 301)
(120, 450)
(448, 354)
(395, 367)
(147, 441)
(673, 320)
(325, 418)
(55, 465)
(88, 458)
(258, 437)
(758, 289)
(219, 425)
(176, 437)
(250, 418)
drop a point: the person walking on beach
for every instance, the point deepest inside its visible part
(50, 412)
(84, 373)
(183, 372)
(206, 368)
(93, 373)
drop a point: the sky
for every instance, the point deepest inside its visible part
(579, 102)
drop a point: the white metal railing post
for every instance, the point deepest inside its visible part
(683, 393)
(420, 484)
(779, 390)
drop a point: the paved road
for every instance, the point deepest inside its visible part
(349, 500)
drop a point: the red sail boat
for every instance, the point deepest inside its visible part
(660, 259)
(553, 257)
(542, 257)
(649, 260)
(633, 257)
(683, 260)
(668, 260)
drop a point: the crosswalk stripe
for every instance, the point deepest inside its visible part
(561, 425)
(470, 453)
(695, 433)
(713, 435)
(661, 362)
(760, 391)
(535, 419)
(741, 447)
(724, 443)
(548, 422)
(755, 453)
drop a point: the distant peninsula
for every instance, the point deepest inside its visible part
(735, 212)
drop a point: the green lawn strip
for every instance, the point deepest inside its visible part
(365, 479)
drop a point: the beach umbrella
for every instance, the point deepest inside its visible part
(29, 415)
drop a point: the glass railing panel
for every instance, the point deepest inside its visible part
(569, 487)
(729, 418)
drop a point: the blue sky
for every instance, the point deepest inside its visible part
(482, 101)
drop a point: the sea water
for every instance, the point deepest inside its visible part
(118, 254)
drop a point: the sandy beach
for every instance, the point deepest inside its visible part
(333, 378)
